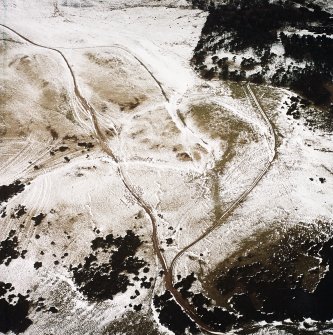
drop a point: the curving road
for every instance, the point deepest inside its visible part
(168, 270)
(238, 201)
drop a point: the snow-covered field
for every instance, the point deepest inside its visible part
(131, 64)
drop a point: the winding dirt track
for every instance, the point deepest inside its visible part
(238, 201)
(168, 271)
(102, 140)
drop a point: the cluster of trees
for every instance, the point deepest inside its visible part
(256, 24)
(317, 52)
(222, 70)
(310, 84)
(202, 4)
(317, 49)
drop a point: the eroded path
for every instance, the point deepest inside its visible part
(150, 212)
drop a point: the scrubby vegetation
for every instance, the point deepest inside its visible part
(293, 280)
(8, 191)
(103, 279)
(14, 310)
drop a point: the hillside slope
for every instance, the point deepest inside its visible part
(281, 43)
